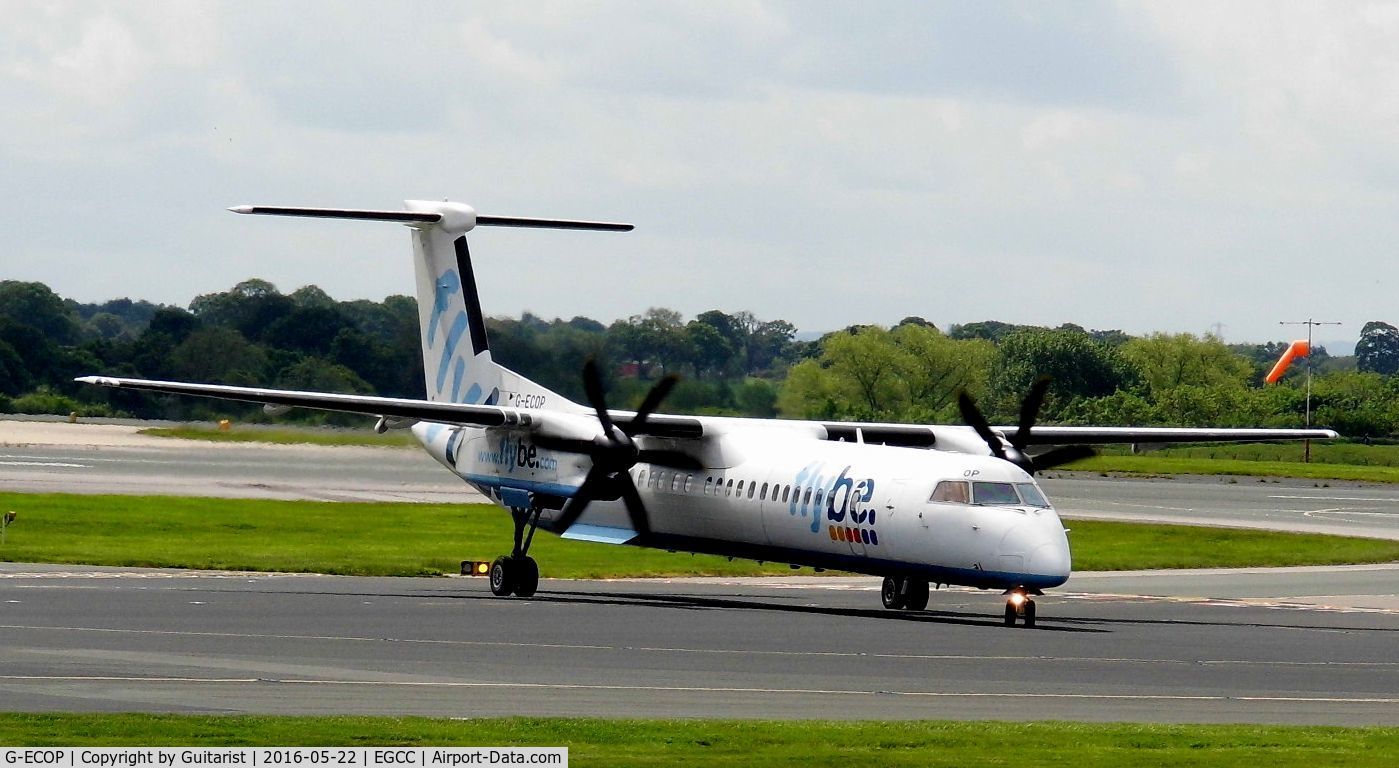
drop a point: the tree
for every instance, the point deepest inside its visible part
(1167, 361)
(1378, 349)
(912, 373)
(219, 355)
(35, 305)
(1076, 365)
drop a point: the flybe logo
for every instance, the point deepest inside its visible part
(511, 453)
(844, 504)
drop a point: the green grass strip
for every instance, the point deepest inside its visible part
(287, 436)
(402, 539)
(809, 744)
(1151, 464)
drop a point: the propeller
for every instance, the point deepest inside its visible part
(614, 452)
(1015, 452)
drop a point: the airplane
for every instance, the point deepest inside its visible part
(915, 504)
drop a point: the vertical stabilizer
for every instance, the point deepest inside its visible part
(456, 351)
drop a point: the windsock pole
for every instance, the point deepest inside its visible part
(1287, 359)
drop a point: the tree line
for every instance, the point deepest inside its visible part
(731, 364)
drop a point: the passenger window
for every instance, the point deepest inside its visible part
(806, 499)
(641, 477)
(708, 485)
(740, 488)
(786, 489)
(819, 495)
(675, 482)
(729, 489)
(951, 492)
(752, 489)
(763, 494)
(689, 481)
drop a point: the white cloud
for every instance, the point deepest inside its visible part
(1150, 167)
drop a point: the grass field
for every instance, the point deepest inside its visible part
(428, 539)
(749, 742)
(1154, 464)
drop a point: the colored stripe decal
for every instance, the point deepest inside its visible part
(479, 343)
(450, 347)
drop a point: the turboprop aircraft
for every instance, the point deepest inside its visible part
(915, 504)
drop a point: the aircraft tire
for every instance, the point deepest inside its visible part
(502, 576)
(526, 577)
(892, 593)
(916, 594)
(1029, 613)
(1010, 615)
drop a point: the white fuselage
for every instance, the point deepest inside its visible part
(773, 493)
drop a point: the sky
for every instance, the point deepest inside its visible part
(1144, 167)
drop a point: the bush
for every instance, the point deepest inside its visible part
(45, 400)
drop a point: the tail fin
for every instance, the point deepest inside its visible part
(456, 352)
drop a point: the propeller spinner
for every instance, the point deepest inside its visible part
(613, 453)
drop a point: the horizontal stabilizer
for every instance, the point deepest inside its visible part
(339, 213)
(453, 216)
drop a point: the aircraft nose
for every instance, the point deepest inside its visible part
(1051, 560)
(1044, 548)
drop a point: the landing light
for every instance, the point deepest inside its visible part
(1017, 599)
(475, 567)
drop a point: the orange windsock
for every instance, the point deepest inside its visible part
(1298, 348)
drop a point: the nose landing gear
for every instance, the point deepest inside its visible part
(1019, 606)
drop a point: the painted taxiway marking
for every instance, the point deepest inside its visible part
(44, 464)
(1337, 498)
(713, 651)
(450, 684)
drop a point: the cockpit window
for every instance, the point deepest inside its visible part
(951, 492)
(999, 494)
(1032, 495)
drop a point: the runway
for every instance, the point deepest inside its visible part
(1267, 645)
(93, 639)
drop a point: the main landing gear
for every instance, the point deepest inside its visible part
(1019, 605)
(904, 593)
(517, 573)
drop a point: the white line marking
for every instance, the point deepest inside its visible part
(717, 651)
(707, 689)
(1336, 498)
(43, 464)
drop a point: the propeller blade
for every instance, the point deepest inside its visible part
(1064, 455)
(972, 416)
(653, 399)
(575, 506)
(592, 384)
(640, 522)
(667, 458)
(1029, 411)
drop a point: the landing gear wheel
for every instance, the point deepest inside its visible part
(1029, 611)
(503, 576)
(915, 594)
(1010, 615)
(526, 577)
(892, 593)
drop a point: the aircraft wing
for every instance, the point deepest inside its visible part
(957, 437)
(1105, 435)
(406, 408)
